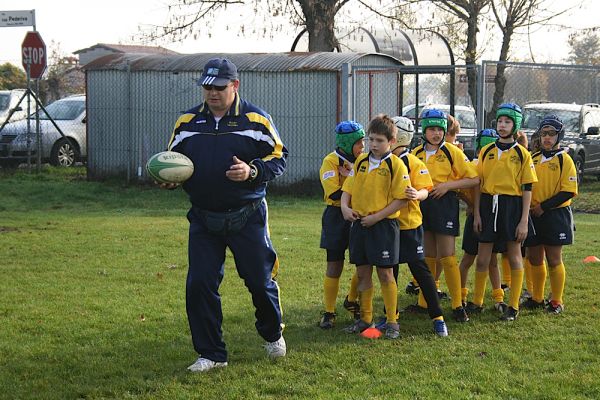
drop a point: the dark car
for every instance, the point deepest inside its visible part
(582, 135)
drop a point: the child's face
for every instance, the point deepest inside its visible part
(358, 147)
(504, 126)
(434, 135)
(379, 144)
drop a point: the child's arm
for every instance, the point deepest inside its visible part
(442, 188)
(476, 215)
(414, 194)
(521, 231)
(391, 208)
(348, 213)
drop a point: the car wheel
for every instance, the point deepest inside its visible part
(64, 153)
(579, 166)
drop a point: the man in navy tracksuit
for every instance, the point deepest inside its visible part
(236, 150)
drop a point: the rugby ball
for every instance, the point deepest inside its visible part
(170, 167)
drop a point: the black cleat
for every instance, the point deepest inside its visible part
(415, 309)
(555, 307)
(460, 315)
(327, 320)
(353, 307)
(531, 304)
(473, 308)
(510, 314)
(413, 289)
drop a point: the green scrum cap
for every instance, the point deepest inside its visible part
(434, 117)
(346, 134)
(512, 111)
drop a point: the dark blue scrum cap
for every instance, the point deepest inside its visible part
(218, 72)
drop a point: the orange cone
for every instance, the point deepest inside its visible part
(591, 259)
(371, 333)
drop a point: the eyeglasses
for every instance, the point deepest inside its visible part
(550, 133)
(215, 87)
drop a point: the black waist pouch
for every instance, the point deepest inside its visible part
(227, 222)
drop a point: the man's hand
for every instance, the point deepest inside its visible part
(239, 171)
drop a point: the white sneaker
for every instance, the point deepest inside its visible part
(204, 364)
(276, 349)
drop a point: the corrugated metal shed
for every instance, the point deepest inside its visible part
(134, 100)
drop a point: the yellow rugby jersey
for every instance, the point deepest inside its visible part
(374, 186)
(555, 174)
(507, 172)
(448, 163)
(331, 179)
(469, 194)
(410, 216)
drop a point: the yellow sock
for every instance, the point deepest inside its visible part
(366, 305)
(353, 292)
(430, 261)
(538, 273)
(464, 293)
(440, 318)
(389, 291)
(528, 275)
(498, 295)
(414, 282)
(505, 271)
(557, 282)
(481, 278)
(330, 292)
(516, 277)
(452, 274)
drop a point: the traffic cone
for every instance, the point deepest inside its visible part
(591, 259)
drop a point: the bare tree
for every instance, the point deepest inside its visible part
(316, 16)
(585, 47)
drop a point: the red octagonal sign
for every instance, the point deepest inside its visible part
(33, 53)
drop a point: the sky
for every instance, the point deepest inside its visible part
(73, 25)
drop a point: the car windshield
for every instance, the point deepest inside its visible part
(466, 118)
(4, 100)
(533, 116)
(64, 110)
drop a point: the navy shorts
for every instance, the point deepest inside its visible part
(470, 239)
(553, 228)
(411, 245)
(335, 230)
(441, 215)
(377, 245)
(500, 225)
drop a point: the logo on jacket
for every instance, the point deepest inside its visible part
(385, 254)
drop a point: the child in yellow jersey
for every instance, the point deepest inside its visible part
(335, 231)
(410, 221)
(470, 243)
(450, 170)
(371, 200)
(502, 207)
(551, 214)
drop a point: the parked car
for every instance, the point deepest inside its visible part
(68, 114)
(8, 101)
(465, 116)
(582, 136)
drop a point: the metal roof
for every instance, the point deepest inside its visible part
(264, 62)
(126, 48)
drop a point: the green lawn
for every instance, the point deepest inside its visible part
(92, 307)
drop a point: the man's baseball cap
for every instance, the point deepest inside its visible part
(218, 72)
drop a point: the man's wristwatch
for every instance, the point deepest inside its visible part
(253, 172)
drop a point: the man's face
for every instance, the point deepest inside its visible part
(220, 98)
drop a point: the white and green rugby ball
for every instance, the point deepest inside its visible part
(170, 167)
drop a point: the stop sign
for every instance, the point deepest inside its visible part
(33, 52)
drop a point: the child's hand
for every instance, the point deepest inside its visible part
(411, 193)
(477, 223)
(439, 190)
(521, 231)
(349, 214)
(537, 211)
(369, 220)
(344, 171)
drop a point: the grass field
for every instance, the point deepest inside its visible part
(92, 307)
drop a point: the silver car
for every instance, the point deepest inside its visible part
(69, 114)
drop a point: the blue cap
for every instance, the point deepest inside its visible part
(218, 72)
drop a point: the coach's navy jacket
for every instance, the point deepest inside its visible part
(245, 131)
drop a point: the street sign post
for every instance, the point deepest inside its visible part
(17, 18)
(33, 52)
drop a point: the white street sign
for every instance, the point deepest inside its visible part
(17, 18)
